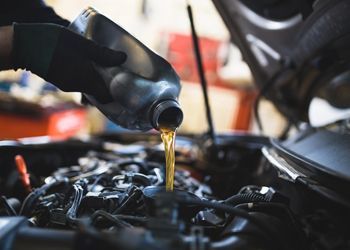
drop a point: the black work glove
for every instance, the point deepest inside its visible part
(64, 58)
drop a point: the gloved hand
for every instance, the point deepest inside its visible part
(64, 58)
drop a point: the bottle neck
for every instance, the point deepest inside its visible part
(166, 114)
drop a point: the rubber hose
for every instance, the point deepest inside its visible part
(245, 198)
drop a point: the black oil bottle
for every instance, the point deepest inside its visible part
(144, 89)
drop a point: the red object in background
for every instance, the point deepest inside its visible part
(246, 99)
(181, 56)
(58, 124)
(23, 172)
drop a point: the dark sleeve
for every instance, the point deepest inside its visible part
(28, 11)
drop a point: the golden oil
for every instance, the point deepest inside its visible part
(168, 138)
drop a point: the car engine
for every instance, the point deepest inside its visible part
(107, 192)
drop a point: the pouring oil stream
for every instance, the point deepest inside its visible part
(168, 138)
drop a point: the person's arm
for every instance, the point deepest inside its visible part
(68, 60)
(6, 38)
(28, 11)
(22, 11)
(39, 41)
(60, 56)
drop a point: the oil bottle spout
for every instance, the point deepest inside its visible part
(166, 114)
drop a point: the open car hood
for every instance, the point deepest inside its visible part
(296, 51)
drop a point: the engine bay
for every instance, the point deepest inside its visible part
(109, 192)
